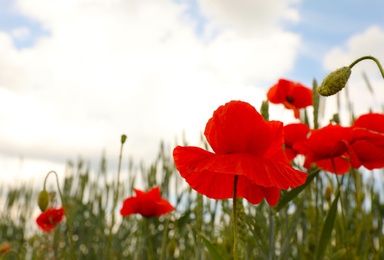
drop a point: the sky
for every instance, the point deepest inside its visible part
(77, 74)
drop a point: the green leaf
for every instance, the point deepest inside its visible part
(294, 192)
(212, 250)
(326, 232)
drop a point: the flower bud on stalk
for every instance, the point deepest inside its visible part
(334, 82)
(43, 200)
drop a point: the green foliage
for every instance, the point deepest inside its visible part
(308, 222)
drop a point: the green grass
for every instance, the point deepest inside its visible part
(309, 222)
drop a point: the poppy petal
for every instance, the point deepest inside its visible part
(371, 156)
(130, 206)
(211, 168)
(237, 127)
(371, 121)
(301, 96)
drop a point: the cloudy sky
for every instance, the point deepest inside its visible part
(77, 74)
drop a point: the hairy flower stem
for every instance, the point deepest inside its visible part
(149, 239)
(370, 58)
(235, 235)
(164, 242)
(65, 213)
(116, 197)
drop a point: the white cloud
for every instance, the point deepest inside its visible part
(129, 67)
(369, 42)
(250, 17)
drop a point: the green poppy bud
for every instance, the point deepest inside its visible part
(123, 139)
(328, 193)
(43, 200)
(334, 82)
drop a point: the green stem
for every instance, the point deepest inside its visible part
(369, 58)
(163, 243)
(235, 235)
(271, 236)
(150, 247)
(65, 213)
(343, 225)
(116, 197)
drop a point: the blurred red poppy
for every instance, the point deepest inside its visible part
(368, 140)
(4, 247)
(49, 219)
(294, 133)
(244, 145)
(292, 95)
(327, 146)
(148, 204)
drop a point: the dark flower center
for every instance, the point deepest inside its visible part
(289, 99)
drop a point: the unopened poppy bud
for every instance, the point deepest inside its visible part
(123, 139)
(334, 82)
(43, 200)
(328, 193)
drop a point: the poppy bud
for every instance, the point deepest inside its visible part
(123, 139)
(328, 193)
(334, 82)
(43, 200)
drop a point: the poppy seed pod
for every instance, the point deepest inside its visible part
(43, 200)
(334, 82)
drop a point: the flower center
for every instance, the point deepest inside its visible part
(289, 99)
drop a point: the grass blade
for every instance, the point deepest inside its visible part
(212, 250)
(293, 193)
(326, 232)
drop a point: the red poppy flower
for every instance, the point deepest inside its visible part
(148, 204)
(294, 133)
(330, 143)
(49, 219)
(244, 145)
(292, 95)
(368, 140)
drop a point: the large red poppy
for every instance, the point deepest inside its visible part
(148, 204)
(329, 148)
(368, 140)
(292, 95)
(49, 219)
(294, 133)
(244, 145)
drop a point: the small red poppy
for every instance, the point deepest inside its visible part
(368, 140)
(148, 204)
(294, 133)
(4, 247)
(244, 145)
(330, 143)
(292, 95)
(49, 219)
